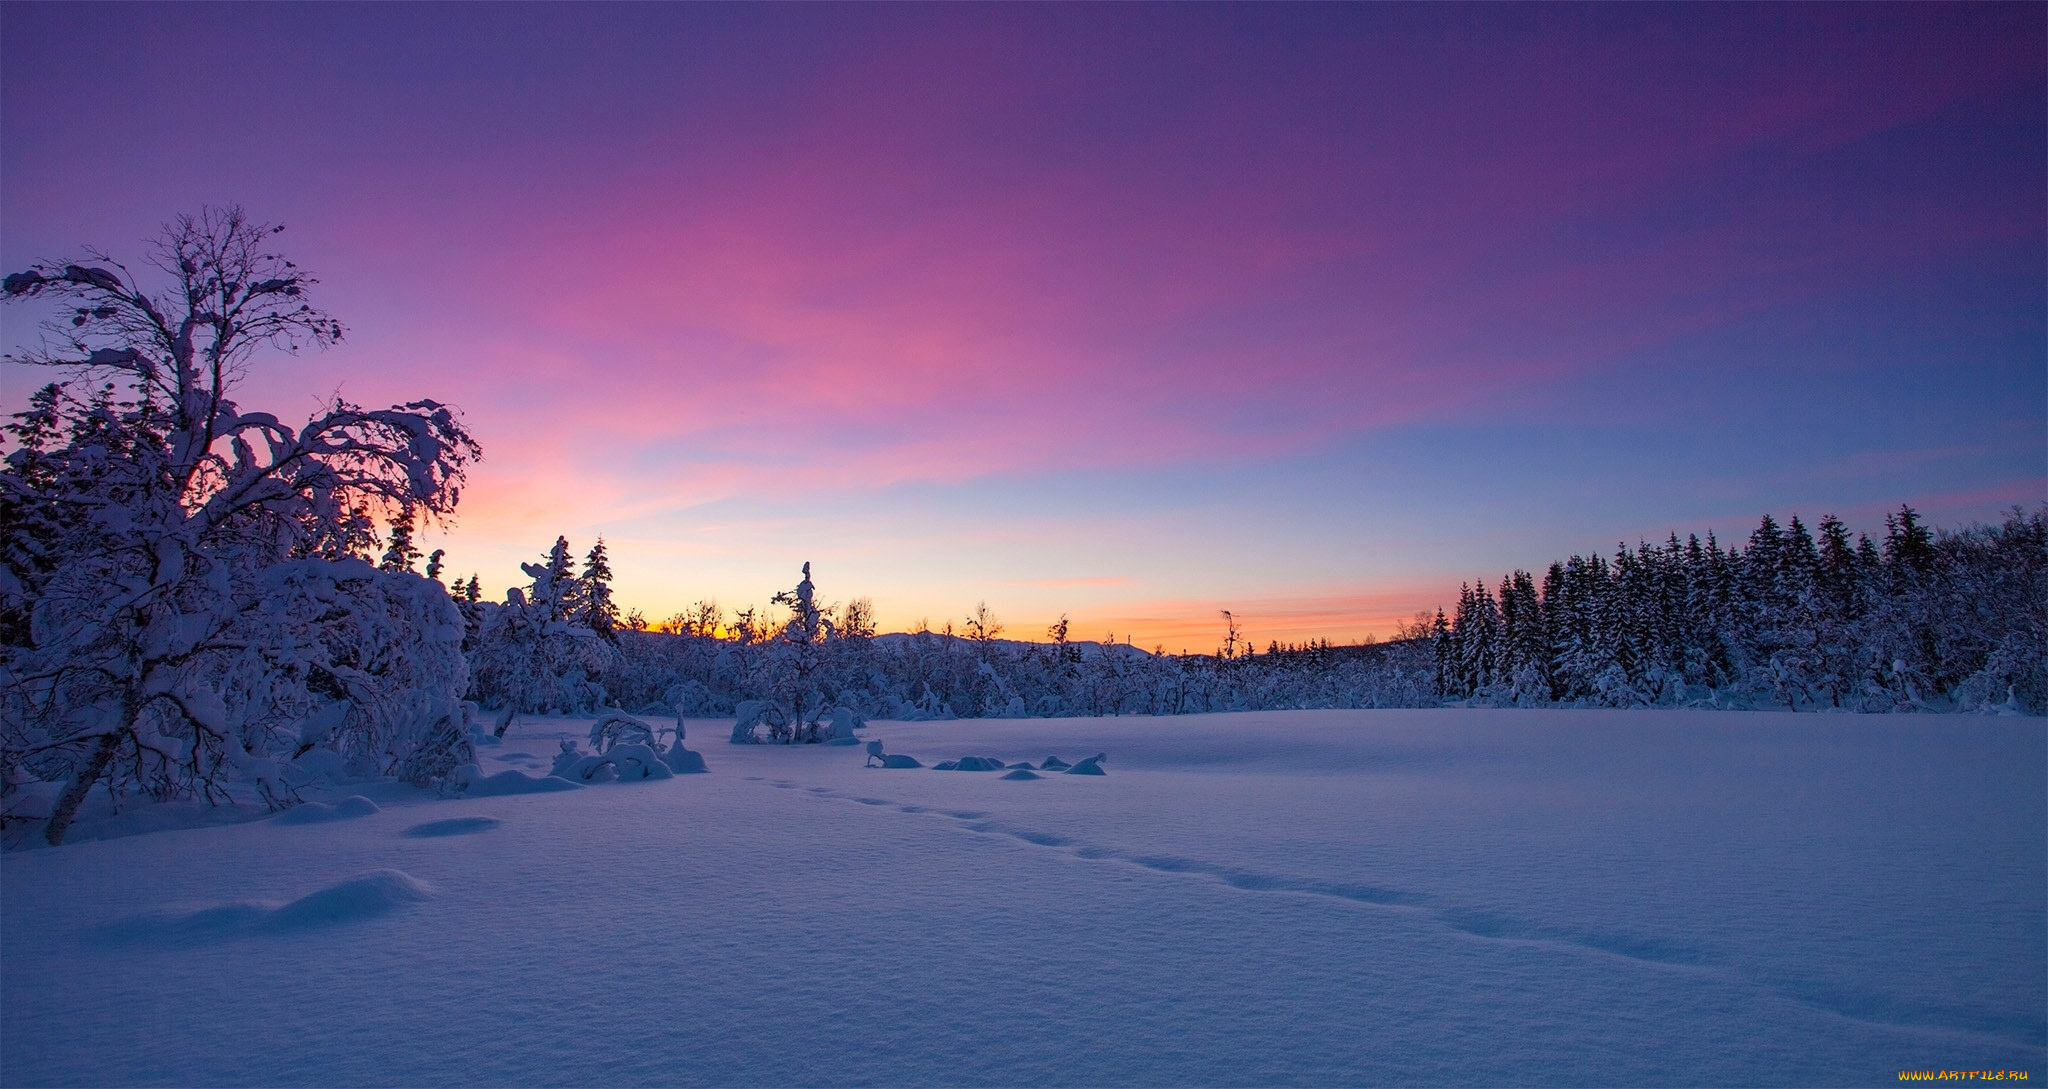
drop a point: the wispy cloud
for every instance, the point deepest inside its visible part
(725, 283)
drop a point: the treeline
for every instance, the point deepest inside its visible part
(1922, 620)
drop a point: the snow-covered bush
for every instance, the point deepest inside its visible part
(754, 714)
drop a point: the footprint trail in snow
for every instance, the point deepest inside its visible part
(1649, 951)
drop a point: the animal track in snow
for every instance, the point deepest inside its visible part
(1475, 924)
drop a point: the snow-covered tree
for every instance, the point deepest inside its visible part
(537, 651)
(399, 552)
(593, 604)
(179, 569)
(555, 589)
(796, 664)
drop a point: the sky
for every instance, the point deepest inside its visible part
(1134, 313)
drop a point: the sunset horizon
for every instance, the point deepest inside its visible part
(1128, 314)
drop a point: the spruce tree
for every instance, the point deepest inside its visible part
(1444, 653)
(1840, 577)
(800, 660)
(1908, 546)
(401, 553)
(554, 585)
(1527, 657)
(594, 607)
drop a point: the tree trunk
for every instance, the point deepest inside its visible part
(82, 782)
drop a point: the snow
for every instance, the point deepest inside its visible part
(511, 781)
(320, 812)
(1311, 897)
(453, 826)
(361, 897)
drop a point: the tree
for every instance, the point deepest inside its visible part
(400, 554)
(795, 668)
(539, 651)
(1908, 546)
(168, 551)
(593, 606)
(856, 620)
(981, 628)
(1233, 639)
(554, 587)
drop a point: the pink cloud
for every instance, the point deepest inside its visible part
(917, 303)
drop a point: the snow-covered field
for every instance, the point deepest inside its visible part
(1491, 897)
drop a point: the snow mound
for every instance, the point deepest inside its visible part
(453, 826)
(1054, 763)
(320, 812)
(845, 721)
(1090, 766)
(363, 896)
(1023, 773)
(972, 763)
(684, 761)
(891, 761)
(475, 784)
(359, 897)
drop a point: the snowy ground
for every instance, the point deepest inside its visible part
(1491, 897)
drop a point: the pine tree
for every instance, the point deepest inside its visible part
(1477, 627)
(594, 607)
(799, 659)
(401, 554)
(1758, 584)
(1908, 546)
(1443, 650)
(1840, 578)
(554, 583)
(1576, 608)
(1527, 658)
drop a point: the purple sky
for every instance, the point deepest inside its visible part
(1136, 312)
